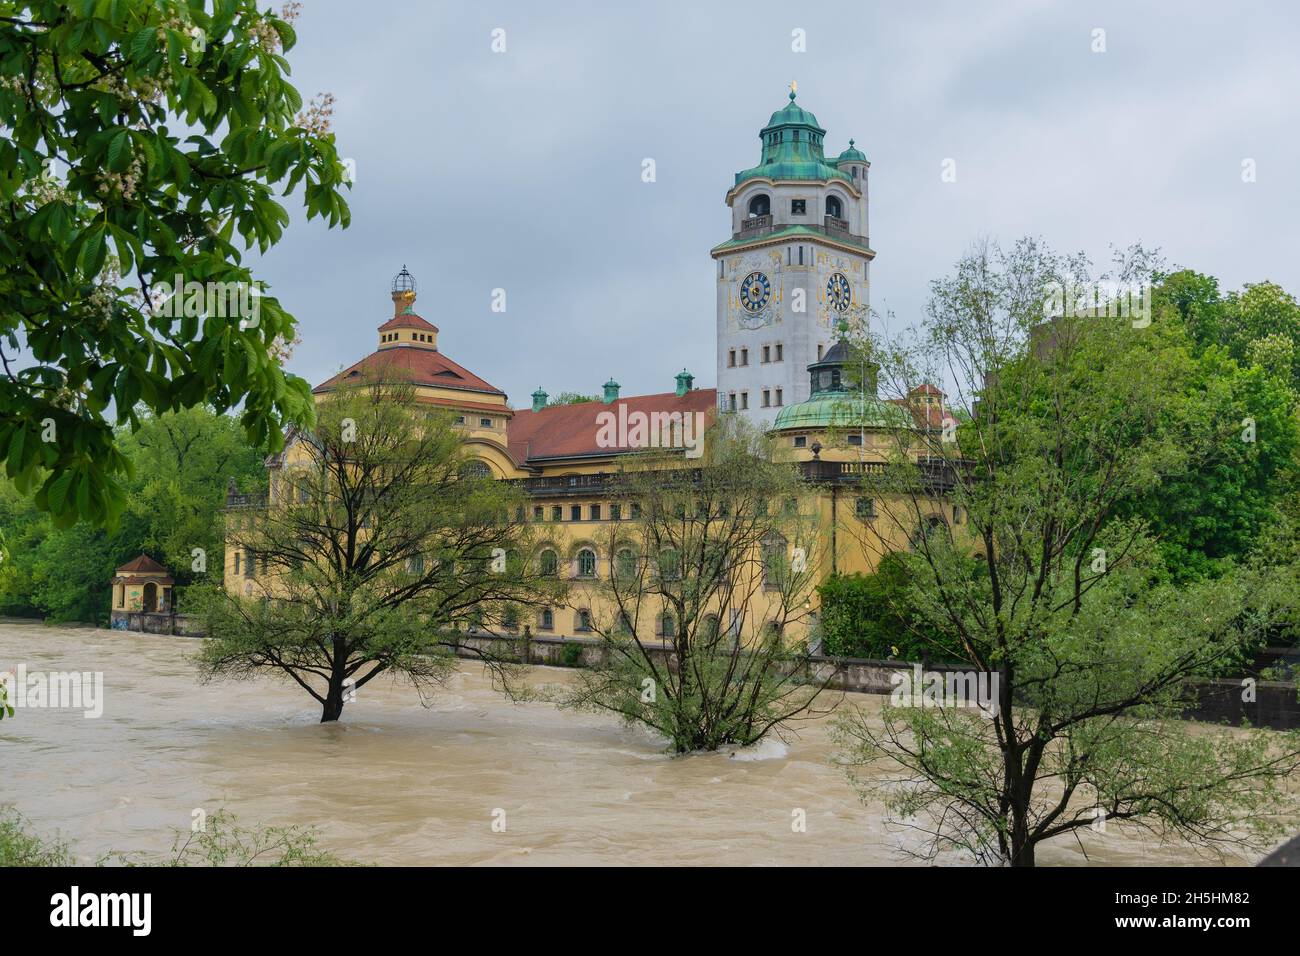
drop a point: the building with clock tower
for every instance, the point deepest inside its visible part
(797, 261)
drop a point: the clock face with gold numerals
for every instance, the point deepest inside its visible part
(755, 291)
(838, 292)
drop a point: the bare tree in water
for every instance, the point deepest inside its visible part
(377, 545)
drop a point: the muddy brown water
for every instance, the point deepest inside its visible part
(399, 783)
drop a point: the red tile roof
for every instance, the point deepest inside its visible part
(166, 579)
(420, 366)
(143, 564)
(570, 431)
(407, 320)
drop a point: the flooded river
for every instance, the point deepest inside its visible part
(398, 783)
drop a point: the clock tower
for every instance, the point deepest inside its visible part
(797, 261)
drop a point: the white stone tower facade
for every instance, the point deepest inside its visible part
(798, 259)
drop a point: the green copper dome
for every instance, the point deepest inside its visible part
(792, 148)
(842, 409)
(792, 114)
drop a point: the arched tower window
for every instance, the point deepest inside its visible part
(760, 205)
(834, 207)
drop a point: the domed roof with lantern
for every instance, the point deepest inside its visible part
(833, 404)
(792, 147)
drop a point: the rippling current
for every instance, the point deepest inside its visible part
(399, 783)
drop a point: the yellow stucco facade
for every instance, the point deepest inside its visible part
(549, 451)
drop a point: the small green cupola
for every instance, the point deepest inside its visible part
(852, 155)
(826, 375)
(611, 391)
(684, 382)
(539, 399)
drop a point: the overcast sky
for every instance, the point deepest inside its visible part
(522, 170)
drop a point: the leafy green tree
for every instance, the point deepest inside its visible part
(1081, 648)
(1241, 436)
(375, 547)
(144, 141)
(175, 504)
(183, 463)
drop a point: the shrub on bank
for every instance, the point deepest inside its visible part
(873, 616)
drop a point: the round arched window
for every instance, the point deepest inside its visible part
(625, 564)
(834, 207)
(586, 563)
(760, 205)
(475, 469)
(547, 563)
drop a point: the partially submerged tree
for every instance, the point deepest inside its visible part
(703, 583)
(1073, 634)
(377, 542)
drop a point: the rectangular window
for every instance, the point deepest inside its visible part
(800, 441)
(744, 356)
(557, 513)
(460, 419)
(731, 359)
(767, 398)
(780, 400)
(744, 400)
(855, 439)
(636, 510)
(615, 512)
(798, 207)
(537, 512)
(519, 515)
(767, 354)
(595, 512)
(485, 422)
(801, 255)
(957, 517)
(819, 352)
(575, 512)
(780, 352)
(864, 507)
(731, 401)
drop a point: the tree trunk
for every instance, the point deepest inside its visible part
(334, 698)
(333, 708)
(1022, 848)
